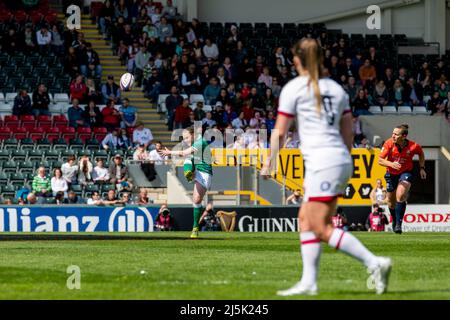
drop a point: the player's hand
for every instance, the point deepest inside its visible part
(396, 166)
(423, 174)
(165, 152)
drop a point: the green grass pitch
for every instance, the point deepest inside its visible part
(217, 266)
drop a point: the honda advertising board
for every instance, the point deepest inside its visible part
(427, 218)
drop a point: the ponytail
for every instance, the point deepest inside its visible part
(310, 54)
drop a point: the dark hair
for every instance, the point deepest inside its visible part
(404, 128)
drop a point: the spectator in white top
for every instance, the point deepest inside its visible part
(210, 50)
(257, 121)
(70, 170)
(85, 170)
(59, 184)
(43, 38)
(142, 135)
(100, 173)
(95, 199)
(156, 156)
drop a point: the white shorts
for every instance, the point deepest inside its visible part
(203, 178)
(327, 184)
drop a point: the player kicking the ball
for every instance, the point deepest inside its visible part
(197, 167)
(325, 128)
(397, 156)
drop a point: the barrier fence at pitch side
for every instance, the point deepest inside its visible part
(418, 218)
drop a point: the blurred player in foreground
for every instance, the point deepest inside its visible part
(397, 156)
(325, 127)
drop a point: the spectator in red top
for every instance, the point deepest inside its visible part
(78, 89)
(182, 113)
(245, 91)
(111, 116)
(248, 111)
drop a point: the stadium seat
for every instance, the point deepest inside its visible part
(4, 178)
(26, 167)
(20, 133)
(68, 133)
(9, 166)
(17, 178)
(43, 144)
(10, 143)
(84, 133)
(53, 133)
(35, 155)
(106, 187)
(4, 154)
(18, 155)
(101, 154)
(194, 98)
(389, 110)
(5, 133)
(37, 133)
(12, 119)
(54, 108)
(5, 108)
(44, 122)
(2, 97)
(60, 120)
(51, 155)
(60, 144)
(10, 96)
(45, 164)
(76, 144)
(92, 144)
(8, 191)
(27, 144)
(92, 188)
(61, 97)
(56, 164)
(404, 110)
(420, 111)
(78, 189)
(375, 110)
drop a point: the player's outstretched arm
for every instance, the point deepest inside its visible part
(180, 153)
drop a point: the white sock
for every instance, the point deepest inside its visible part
(347, 243)
(310, 249)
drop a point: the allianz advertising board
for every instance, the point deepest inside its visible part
(77, 219)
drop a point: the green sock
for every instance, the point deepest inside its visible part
(197, 216)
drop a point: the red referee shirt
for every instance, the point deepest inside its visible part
(392, 152)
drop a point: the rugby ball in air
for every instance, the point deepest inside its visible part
(126, 81)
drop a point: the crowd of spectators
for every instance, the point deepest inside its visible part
(172, 56)
(242, 84)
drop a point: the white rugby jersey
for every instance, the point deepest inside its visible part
(321, 142)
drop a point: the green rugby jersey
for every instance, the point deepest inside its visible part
(202, 157)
